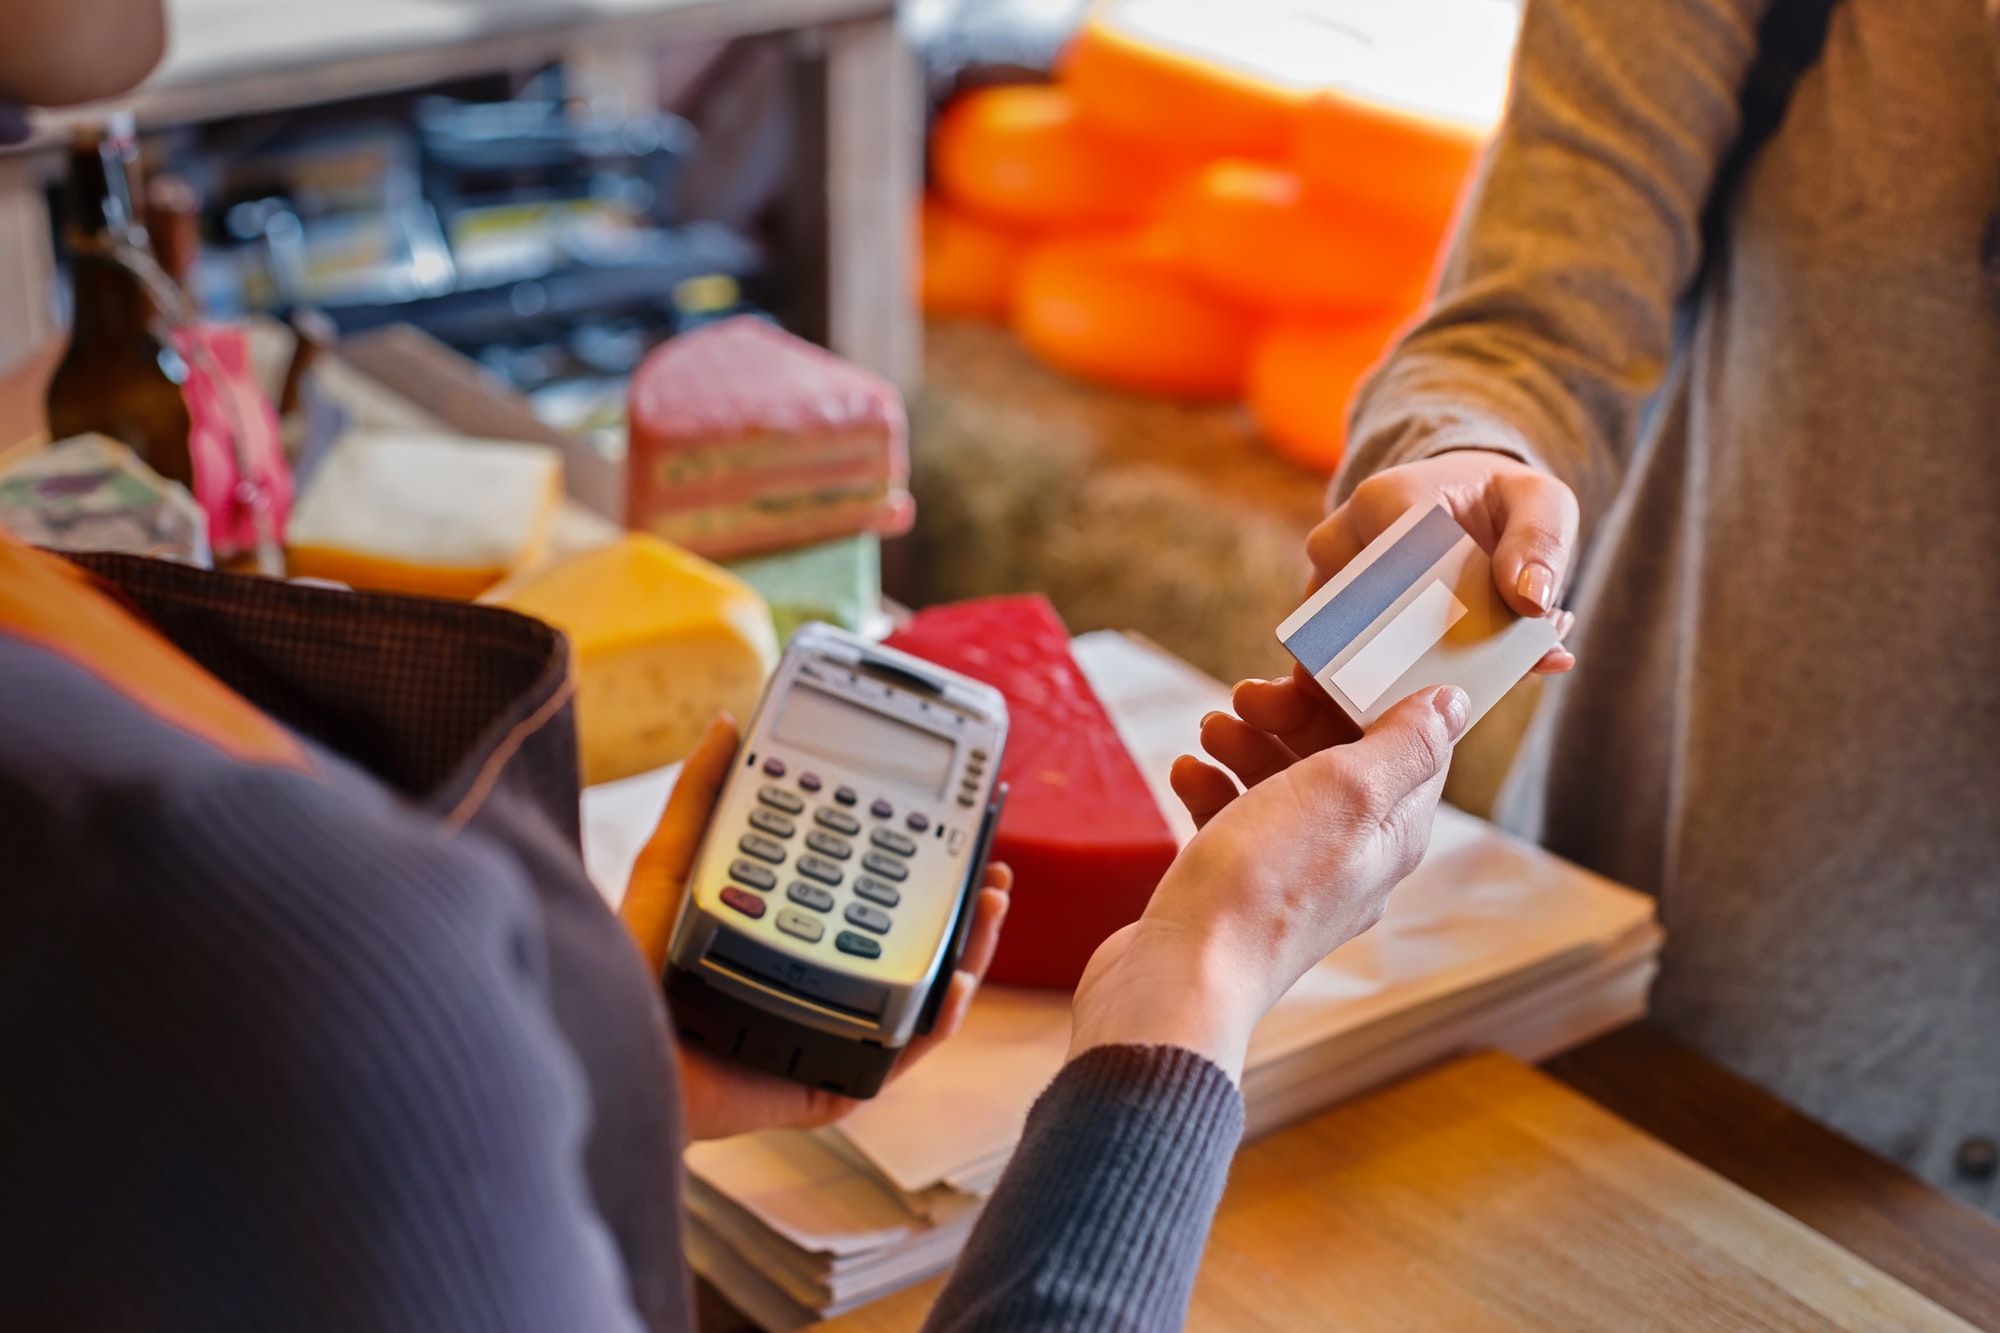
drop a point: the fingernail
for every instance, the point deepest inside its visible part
(1454, 707)
(1537, 584)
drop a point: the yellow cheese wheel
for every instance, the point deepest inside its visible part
(663, 641)
(1302, 378)
(1117, 311)
(1019, 156)
(1249, 231)
(968, 265)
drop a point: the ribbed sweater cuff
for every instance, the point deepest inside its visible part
(1099, 1221)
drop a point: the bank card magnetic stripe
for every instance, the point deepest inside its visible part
(1396, 647)
(1318, 634)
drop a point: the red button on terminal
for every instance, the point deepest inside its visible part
(747, 903)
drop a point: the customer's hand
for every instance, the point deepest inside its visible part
(720, 1098)
(1523, 517)
(1277, 878)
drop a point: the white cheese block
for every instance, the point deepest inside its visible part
(434, 514)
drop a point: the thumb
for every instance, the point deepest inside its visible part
(653, 895)
(1538, 524)
(1408, 747)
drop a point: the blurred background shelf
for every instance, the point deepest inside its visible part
(855, 140)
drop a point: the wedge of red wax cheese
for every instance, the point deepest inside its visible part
(745, 439)
(1082, 832)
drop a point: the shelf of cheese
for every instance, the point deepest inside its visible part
(1202, 172)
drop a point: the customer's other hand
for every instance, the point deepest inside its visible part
(1523, 517)
(1277, 878)
(720, 1098)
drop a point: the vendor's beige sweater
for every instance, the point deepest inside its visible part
(1786, 713)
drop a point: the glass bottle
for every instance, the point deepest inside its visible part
(121, 376)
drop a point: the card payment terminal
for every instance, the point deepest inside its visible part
(830, 901)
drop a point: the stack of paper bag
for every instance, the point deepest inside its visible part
(1491, 943)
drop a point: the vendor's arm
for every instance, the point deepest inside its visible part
(1099, 1221)
(1554, 321)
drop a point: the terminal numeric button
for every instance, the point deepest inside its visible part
(800, 926)
(858, 945)
(810, 895)
(828, 845)
(837, 820)
(747, 903)
(756, 876)
(773, 823)
(780, 799)
(761, 847)
(866, 917)
(891, 841)
(875, 891)
(813, 867)
(888, 867)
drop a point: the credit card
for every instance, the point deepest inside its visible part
(1415, 610)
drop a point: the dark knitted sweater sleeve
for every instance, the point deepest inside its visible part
(1099, 1221)
(277, 1055)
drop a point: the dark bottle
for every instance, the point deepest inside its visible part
(122, 376)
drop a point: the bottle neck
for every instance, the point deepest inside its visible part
(120, 295)
(100, 200)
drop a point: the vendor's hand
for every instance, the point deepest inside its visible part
(720, 1098)
(1523, 517)
(1276, 879)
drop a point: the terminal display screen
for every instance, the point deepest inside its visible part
(864, 740)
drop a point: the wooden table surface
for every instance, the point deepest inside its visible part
(1880, 1212)
(1285, 1216)
(1486, 1195)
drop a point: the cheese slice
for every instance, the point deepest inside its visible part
(432, 514)
(663, 642)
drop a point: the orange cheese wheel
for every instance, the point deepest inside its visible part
(1302, 377)
(968, 265)
(1019, 156)
(1400, 167)
(1175, 93)
(1115, 311)
(1250, 232)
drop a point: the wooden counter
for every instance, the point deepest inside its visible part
(1487, 1195)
